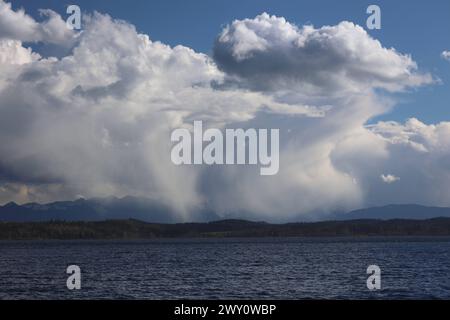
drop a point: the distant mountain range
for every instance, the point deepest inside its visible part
(397, 211)
(144, 209)
(95, 209)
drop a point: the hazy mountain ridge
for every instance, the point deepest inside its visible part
(397, 211)
(88, 210)
(144, 209)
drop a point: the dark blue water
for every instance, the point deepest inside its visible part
(226, 268)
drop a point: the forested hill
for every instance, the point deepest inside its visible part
(134, 229)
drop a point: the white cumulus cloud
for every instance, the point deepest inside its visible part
(389, 178)
(17, 25)
(269, 53)
(97, 120)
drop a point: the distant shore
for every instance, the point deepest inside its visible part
(135, 229)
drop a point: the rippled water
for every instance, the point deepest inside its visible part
(226, 268)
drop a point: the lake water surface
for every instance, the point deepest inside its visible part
(292, 268)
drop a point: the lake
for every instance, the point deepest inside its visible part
(256, 268)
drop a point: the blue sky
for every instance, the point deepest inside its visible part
(419, 28)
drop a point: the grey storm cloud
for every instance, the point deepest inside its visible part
(97, 121)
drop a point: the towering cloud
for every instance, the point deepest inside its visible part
(97, 121)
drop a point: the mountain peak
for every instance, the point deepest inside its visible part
(11, 204)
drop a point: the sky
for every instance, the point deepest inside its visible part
(420, 28)
(363, 114)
